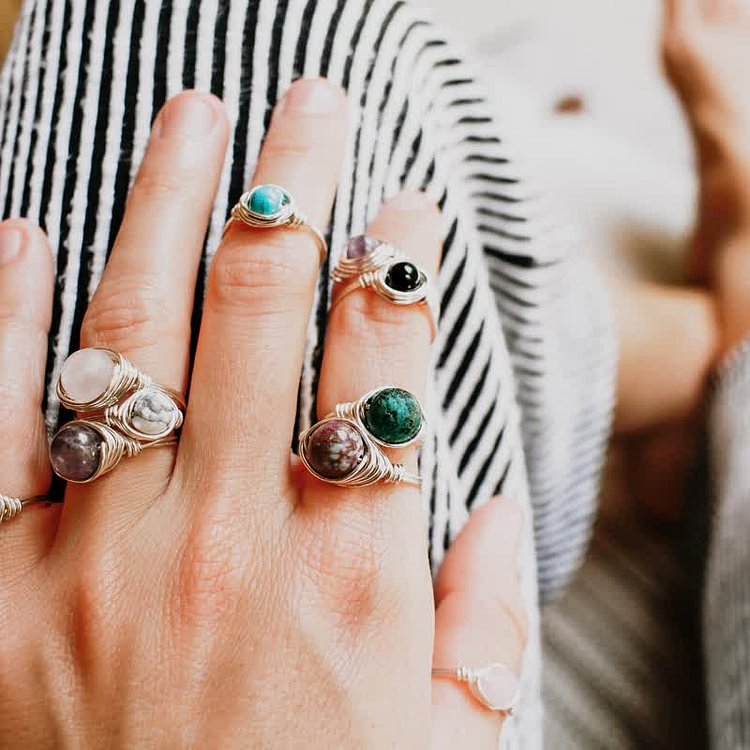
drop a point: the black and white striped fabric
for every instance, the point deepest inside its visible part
(522, 381)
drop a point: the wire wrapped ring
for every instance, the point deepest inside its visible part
(85, 449)
(495, 685)
(10, 507)
(339, 451)
(372, 264)
(270, 206)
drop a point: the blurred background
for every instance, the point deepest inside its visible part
(578, 85)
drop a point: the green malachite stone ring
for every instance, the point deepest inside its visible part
(271, 206)
(392, 417)
(347, 446)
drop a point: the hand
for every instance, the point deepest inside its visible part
(706, 45)
(215, 595)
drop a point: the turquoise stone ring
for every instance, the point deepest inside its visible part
(269, 207)
(268, 201)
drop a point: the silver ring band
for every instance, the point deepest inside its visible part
(495, 685)
(10, 507)
(270, 206)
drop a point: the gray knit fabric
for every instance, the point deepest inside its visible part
(727, 598)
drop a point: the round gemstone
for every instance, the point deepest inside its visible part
(152, 412)
(498, 687)
(393, 416)
(268, 200)
(359, 246)
(335, 449)
(75, 452)
(403, 277)
(87, 374)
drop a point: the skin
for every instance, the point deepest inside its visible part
(705, 46)
(215, 595)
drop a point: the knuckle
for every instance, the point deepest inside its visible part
(348, 571)
(129, 316)
(290, 144)
(261, 279)
(17, 408)
(94, 600)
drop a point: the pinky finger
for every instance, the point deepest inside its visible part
(479, 620)
(26, 283)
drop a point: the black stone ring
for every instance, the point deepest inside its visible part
(372, 264)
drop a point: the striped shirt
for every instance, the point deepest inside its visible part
(522, 379)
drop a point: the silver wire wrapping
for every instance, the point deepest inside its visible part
(374, 467)
(10, 507)
(289, 216)
(120, 416)
(115, 445)
(370, 271)
(354, 411)
(473, 678)
(380, 255)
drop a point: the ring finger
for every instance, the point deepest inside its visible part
(372, 342)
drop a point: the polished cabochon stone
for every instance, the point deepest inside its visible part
(268, 200)
(86, 374)
(403, 277)
(498, 686)
(75, 452)
(335, 449)
(359, 246)
(153, 412)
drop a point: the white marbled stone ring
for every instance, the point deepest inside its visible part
(120, 411)
(495, 686)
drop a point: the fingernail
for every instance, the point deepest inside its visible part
(312, 96)
(11, 242)
(187, 116)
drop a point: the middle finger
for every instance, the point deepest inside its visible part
(259, 295)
